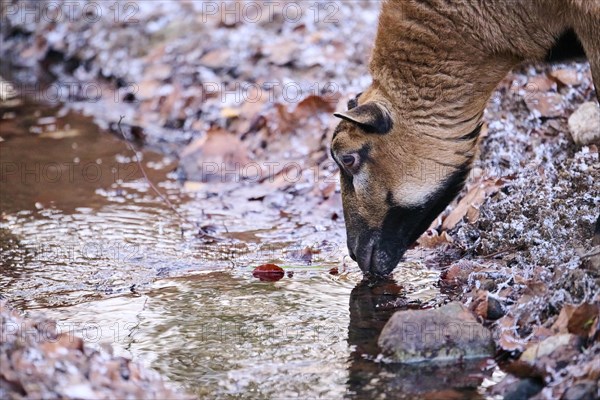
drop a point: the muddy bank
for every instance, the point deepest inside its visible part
(517, 244)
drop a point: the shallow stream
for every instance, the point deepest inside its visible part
(85, 239)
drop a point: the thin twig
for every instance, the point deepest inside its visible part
(497, 253)
(593, 252)
(141, 167)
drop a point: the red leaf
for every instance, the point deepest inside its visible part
(268, 273)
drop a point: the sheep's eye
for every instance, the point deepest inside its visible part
(350, 161)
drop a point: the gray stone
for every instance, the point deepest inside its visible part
(447, 334)
(584, 124)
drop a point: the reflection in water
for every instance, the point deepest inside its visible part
(371, 305)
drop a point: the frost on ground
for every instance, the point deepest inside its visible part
(530, 252)
(520, 234)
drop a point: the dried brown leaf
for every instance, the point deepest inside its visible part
(218, 155)
(431, 238)
(540, 84)
(582, 319)
(218, 58)
(469, 205)
(508, 339)
(567, 77)
(562, 322)
(314, 104)
(549, 105)
(480, 304)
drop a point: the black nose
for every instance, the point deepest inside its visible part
(375, 257)
(363, 252)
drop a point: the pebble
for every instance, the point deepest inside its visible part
(584, 124)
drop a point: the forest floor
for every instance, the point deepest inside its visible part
(254, 93)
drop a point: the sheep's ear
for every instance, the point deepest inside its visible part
(370, 117)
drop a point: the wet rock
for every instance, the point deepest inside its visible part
(517, 388)
(584, 124)
(523, 389)
(449, 333)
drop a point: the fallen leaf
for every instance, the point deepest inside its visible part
(216, 59)
(485, 130)
(229, 112)
(469, 205)
(268, 273)
(459, 272)
(216, 156)
(547, 347)
(567, 77)
(486, 306)
(313, 105)
(508, 339)
(62, 344)
(305, 254)
(562, 322)
(582, 319)
(540, 333)
(282, 52)
(147, 89)
(540, 84)
(431, 238)
(548, 105)
(158, 72)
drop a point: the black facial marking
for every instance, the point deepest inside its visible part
(363, 152)
(347, 182)
(403, 225)
(389, 199)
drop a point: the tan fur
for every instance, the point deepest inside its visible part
(434, 66)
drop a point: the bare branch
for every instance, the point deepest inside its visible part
(139, 163)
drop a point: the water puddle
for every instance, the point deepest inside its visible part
(85, 239)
